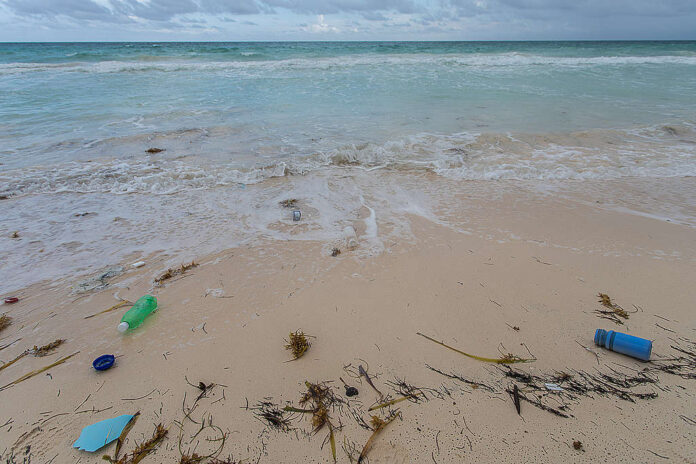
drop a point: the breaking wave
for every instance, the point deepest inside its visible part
(464, 60)
(656, 151)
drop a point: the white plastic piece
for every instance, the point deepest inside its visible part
(553, 387)
(351, 238)
(138, 264)
(123, 327)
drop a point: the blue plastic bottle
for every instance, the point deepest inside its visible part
(636, 347)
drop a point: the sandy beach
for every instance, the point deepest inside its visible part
(522, 278)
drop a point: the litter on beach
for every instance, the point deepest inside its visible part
(553, 387)
(96, 436)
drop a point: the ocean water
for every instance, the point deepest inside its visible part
(343, 127)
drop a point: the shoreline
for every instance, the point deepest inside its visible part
(82, 234)
(535, 265)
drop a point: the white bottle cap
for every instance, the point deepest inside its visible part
(123, 326)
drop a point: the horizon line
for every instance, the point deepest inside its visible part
(340, 41)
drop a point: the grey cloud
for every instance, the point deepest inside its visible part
(373, 16)
(554, 19)
(155, 10)
(165, 10)
(343, 6)
(78, 9)
(578, 8)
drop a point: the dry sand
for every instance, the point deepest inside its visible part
(536, 265)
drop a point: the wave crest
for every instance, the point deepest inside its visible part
(656, 151)
(164, 64)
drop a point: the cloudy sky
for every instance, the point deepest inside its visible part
(238, 20)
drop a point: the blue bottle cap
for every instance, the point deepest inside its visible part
(103, 362)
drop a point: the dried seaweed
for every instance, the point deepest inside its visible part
(538, 404)
(615, 311)
(320, 399)
(378, 425)
(122, 438)
(507, 359)
(202, 386)
(45, 350)
(272, 415)
(9, 344)
(289, 203)
(143, 449)
(191, 459)
(175, 272)
(9, 363)
(36, 351)
(335, 252)
(319, 396)
(187, 458)
(154, 150)
(332, 441)
(5, 322)
(683, 365)
(516, 399)
(454, 376)
(116, 306)
(407, 392)
(298, 344)
(38, 371)
(577, 444)
(363, 372)
(124, 433)
(393, 402)
(613, 383)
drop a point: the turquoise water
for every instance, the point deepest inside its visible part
(76, 120)
(57, 101)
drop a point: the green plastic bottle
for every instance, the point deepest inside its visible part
(137, 314)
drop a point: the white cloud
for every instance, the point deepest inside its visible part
(320, 26)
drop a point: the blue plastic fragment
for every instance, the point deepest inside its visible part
(102, 433)
(103, 362)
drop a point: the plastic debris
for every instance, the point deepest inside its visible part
(137, 314)
(350, 391)
(553, 387)
(138, 264)
(11, 300)
(97, 281)
(629, 345)
(96, 436)
(103, 362)
(296, 215)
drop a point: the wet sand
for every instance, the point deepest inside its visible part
(533, 265)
